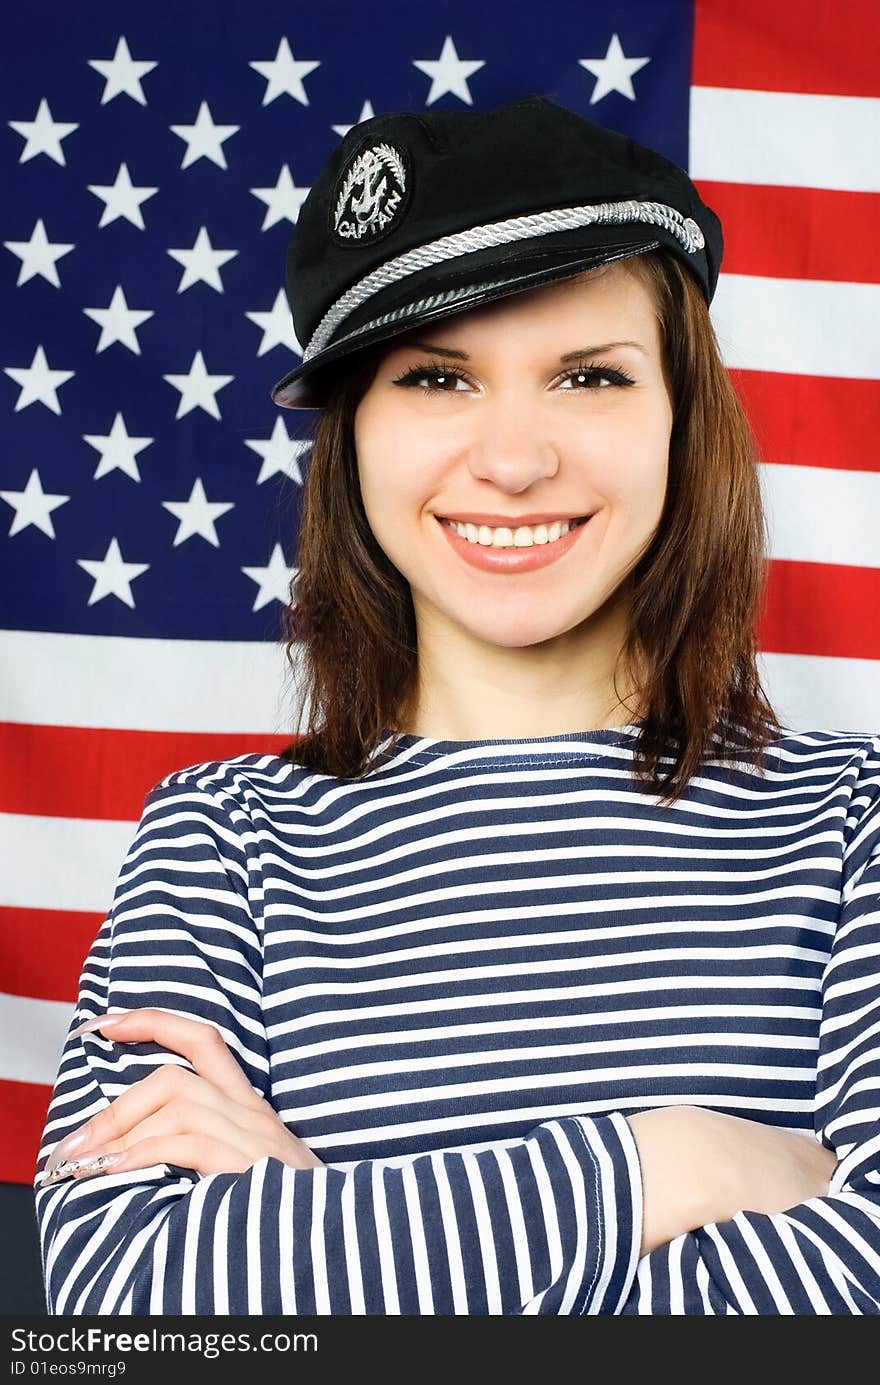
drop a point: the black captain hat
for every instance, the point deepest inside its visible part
(417, 216)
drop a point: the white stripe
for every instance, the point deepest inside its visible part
(147, 684)
(810, 513)
(784, 138)
(450, 1231)
(770, 325)
(286, 1277)
(810, 690)
(518, 1227)
(252, 1237)
(317, 1243)
(86, 856)
(485, 1236)
(550, 1221)
(352, 1250)
(158, 1261)
(666, 1043)
(785, 1226)
(419, 1245)
(32, 1035)
(194, 1206)
(220, 1254)
(765, 1265)
(387, 1272)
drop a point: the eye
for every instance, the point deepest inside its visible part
(440, 378)
(596, 377)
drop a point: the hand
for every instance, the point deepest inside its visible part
(210, 1120)
(700, 1166)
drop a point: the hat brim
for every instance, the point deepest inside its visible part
(479, 277)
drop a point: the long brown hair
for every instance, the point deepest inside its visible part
(696, 591)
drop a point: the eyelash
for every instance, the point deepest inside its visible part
(409, 377)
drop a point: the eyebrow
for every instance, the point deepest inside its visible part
(569, 355)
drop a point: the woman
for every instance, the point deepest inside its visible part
(529, 980)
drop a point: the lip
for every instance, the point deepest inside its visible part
(508, 521)
(489, 559)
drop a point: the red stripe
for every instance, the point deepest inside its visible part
(796, 233)
(820, 608)
(42, 950)
(23, 1107)
(78, 772)
(818, 46)
(806, 420)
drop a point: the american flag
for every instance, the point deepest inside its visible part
(155, 163)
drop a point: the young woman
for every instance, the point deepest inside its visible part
(540, 975)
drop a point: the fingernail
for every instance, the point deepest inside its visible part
(55, 1175)
(98, 1022)
(94, 1163)
(69, 1145)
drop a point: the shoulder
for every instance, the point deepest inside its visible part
(231, 787)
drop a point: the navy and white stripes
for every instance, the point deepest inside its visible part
(454, 979)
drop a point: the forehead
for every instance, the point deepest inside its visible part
(607, 292)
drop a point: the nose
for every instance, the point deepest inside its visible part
(510, 443)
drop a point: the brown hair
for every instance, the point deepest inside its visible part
(696, 590)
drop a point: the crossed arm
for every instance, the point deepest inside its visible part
(673, 1210)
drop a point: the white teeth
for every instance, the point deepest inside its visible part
(523, 537)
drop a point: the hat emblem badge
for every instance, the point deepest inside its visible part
(373, 192)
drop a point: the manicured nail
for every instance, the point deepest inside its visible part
(69, 1145)
(55, 1175)
(94, 1163)
(98, 1022)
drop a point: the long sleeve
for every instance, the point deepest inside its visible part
(822, 1256)
(550, 1223)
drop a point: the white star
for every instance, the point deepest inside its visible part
(118, 450)
(33, 505)
(113, 577)
(196, 515)
(448, 73)
(202, 263)
(38, 255)
(284, 75)
(283, 201)
(613, 72)
(122, 74)
(367, 113)
(38, 382)
(204, 140)
(122, 199)
(43, 134)
(273, 580)
(119, 322)
(277, 326)
(197, 389)
(280, 453)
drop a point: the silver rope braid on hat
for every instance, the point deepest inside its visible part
(685, 229)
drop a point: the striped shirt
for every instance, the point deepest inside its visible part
(453, 979)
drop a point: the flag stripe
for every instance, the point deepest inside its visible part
(787, 46)
(217, 686)
(23, 1107)
(42, 950)
(33, 1034)
(817, 608)
(795, 233)
(793, 140)
(771, 324)
(808, 519)
(78, 873)
(102, 773)
(811, 420)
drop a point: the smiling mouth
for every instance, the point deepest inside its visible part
(491, 531)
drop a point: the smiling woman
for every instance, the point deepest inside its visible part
(645, 616)
(531, 978)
